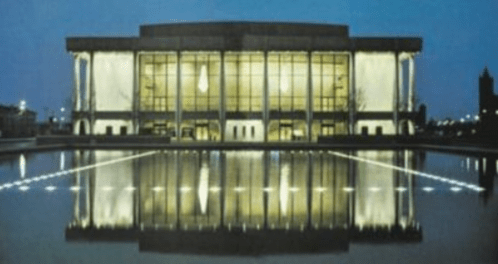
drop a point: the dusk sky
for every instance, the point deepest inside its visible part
(459, 39)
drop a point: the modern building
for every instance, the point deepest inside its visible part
(244, 81)
(488, 106)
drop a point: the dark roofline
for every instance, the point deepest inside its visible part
(236, 28)
(250, 43)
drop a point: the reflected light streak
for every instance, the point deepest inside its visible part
(401, 189)
(203, 187)
(22, 166)
(24, 188)
(60, 173)
(185, 189)
(374, 189)
(63, 160)
(455, 189)
(50, 188)
(348, 189)
(158, 189)
(470, 186)
(428, 189)
(267, 189)
(107, 188)
(320, 189)
(75, 188)
(130, 188)
(284, 188)
(215, 189)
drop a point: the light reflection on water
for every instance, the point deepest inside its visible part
(234, 192)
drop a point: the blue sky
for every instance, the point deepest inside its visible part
(459, 39)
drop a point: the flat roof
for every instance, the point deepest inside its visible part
(251, 36)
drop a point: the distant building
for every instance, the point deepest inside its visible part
(244, 81)
(488, 106)
(15, 122)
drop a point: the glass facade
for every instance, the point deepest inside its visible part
(244, 77)
(244, 89)
(330, 82)
(157, 90)
(200, 79)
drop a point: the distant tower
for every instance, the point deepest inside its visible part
(486, 96)
(488, 107)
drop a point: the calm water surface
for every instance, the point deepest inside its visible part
(248, 206)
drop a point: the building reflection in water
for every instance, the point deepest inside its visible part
(487, 172)
(244, 202)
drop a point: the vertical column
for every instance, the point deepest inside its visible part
(91, 94)
(411, 91)
(91, 188)
(136, 94)
(266, 115)
(309, 102)
(222, 187)
(76, 163)
(86, 104)
(396, 94)
(178, 116)
(352, 95)
(397, 194)
(222, 98)
(309, 189)
(266, 168)
(402, 102)
(136, 194)
(77, 99)
(411, 211)
(351, 194)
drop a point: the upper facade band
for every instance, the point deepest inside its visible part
(255, 36)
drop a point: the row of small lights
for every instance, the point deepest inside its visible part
(52, 188)
(22, 183)
(470, 186)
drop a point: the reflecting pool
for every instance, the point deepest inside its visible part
(229, 206)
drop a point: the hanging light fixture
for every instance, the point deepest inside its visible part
(203, 79)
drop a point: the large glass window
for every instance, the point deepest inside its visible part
(200, 81)
(158, 82)
(244, 76)
(287, 77)
(330, 82)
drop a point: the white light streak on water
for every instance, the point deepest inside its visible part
(469, 186)
(60, 173)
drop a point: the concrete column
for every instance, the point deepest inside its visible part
(77, 98)
(222, 98)
(178, 116)
(309, 102)
(266, 114)
(91, 94)
(76, 163)
(402, 102)
(396, 94)
(86, 103)
(352, 94)
(136, 93)
(411, 205)
(411, 92)
(411, 84)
